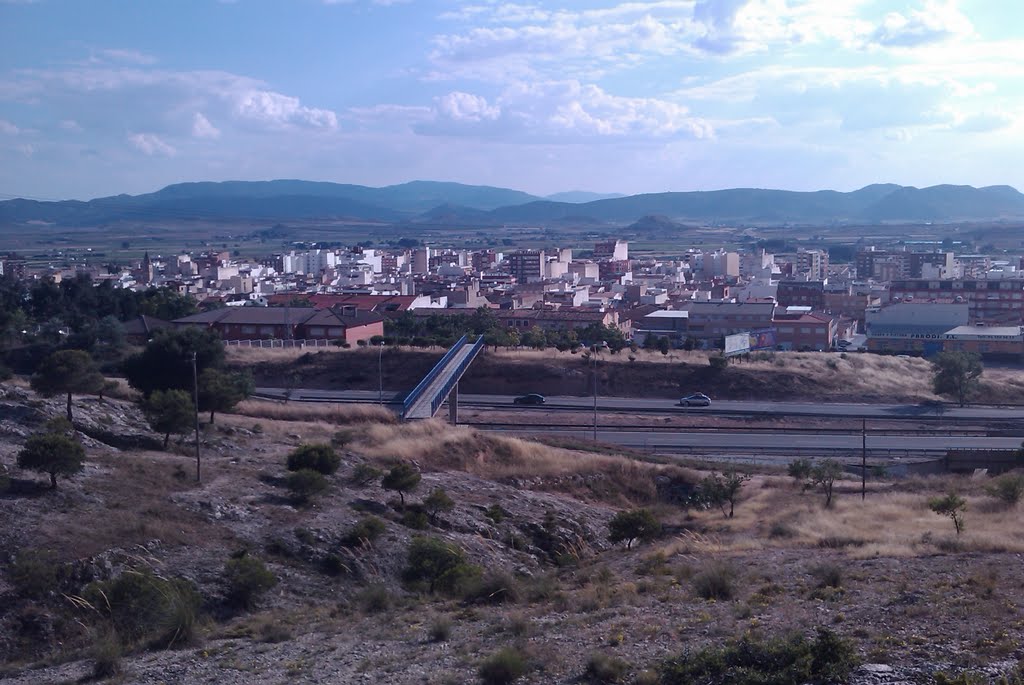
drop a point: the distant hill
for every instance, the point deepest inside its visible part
(456, 204)
(578, 196)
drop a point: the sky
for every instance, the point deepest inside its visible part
(102, 97)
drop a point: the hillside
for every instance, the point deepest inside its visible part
(463, 205)
(540, 578)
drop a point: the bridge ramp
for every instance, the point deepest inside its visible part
(427, 397)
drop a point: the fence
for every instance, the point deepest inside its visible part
(281, 344)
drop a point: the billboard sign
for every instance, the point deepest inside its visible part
(763, 339)
(738, 343)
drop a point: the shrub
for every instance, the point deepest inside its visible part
(248, 579)
(366, 530)
(437, 502)
(633, 525)
(305, 484)
(951, 505)
(715, 581)
(414, 517)
(799, 469)
(320, 458)
(721, 491)
(826, 659)
(495, 513)
(35, 575)
(503, 667)
(342, 438)
(106, 655)
(364, 474)
(402, 478)
(718, 362)
(492, 588)
(438, 565)
(828, 575)
(605, 670)
(781, 529)
(440, 629)
(375, 599)
(823, 476)
(145, 607)
(1008, 488)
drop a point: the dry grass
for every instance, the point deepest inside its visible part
(256, 355)
(438, 447)
(327, 413)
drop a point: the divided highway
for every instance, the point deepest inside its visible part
(645, 405)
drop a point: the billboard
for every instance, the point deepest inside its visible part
(738, 343)
(763, 339)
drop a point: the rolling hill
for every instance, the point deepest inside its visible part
(464, 205)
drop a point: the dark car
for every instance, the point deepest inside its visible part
(532, 398)
(697, 399)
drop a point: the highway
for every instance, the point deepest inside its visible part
(660, 405)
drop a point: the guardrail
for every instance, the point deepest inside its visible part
(454, 377)
(279, 343)
(978, 433)
(418, 391)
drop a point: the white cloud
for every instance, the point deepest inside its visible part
(935, 22)
(466, 107)
(151, 145)
(129, 56)
(275, 109)
(7, 128)
(70, 125)
(202, 128)
(984, 122)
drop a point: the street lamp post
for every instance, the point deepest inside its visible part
(380, 374)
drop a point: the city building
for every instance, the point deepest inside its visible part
(526, 266)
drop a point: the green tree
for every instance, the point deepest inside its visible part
(222, 390)
(638, 524)
(1008, 488)
(441, 565)
(53, 452)
(721, 490)
(166, 363)
(437, 502)
(67, 371)
(304, 484)
(957, 374)
(169, 411)
(799, 469)
(823, 477)
(247, 579)
(402, 478)
(951, 505)
(317, 457)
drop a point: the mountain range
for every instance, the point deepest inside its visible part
(430, 202)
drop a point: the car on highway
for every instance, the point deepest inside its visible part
(532, 398)
(697, 399)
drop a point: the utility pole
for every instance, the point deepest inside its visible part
(594, 359)
(195, 395)
(380, 374)
(864, 459)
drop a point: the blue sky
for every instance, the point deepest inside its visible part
(99, 97)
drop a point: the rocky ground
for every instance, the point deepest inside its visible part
(940, 606)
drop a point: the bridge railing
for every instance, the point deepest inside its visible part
(454, 377)
(420, 388)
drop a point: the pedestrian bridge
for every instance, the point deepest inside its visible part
(442, 383)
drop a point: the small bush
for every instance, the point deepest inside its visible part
(605, 670)
(495, 513)
(342, 439)
(715, 581)
(303, 485)
(248, 579)
(414, 517)
(799, 469)
(145, 608)
(106, 655)
(374, 599)
(718, 362)
(366, 531)
(633, 525)
(503, 667)
(402, 478)
(1008, 488)
(437, 502)
(440, 629)
(492, 588)
(321, 458)
(828, 575)
(35, 575)
(438, 565)
(825, 660)
(364, 474)
(781, 529)
(839, 542)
